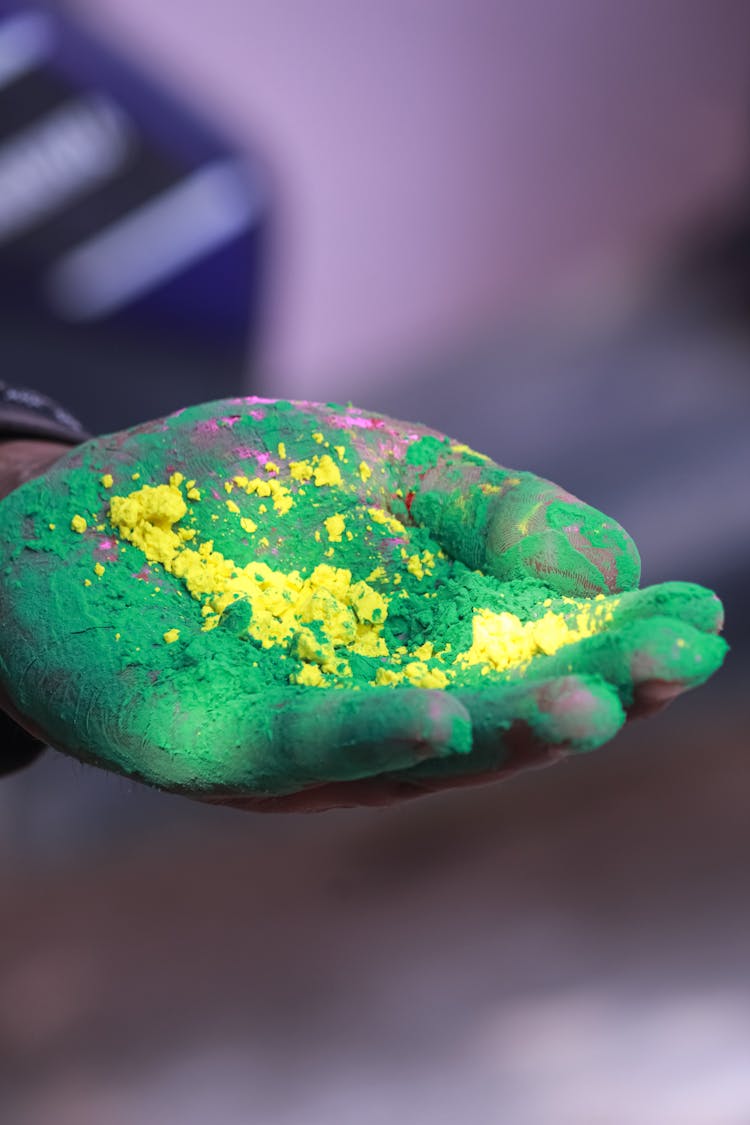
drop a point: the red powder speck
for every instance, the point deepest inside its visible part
(409, 501)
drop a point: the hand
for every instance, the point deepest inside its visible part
(298, 606)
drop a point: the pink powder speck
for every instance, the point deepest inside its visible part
(343, 421)
(209, 426)
(106, 545)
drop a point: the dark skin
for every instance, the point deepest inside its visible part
(570, 703)
(21, 461)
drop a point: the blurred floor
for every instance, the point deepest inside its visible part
(568, 948)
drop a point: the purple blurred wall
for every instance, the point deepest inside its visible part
(443, 165)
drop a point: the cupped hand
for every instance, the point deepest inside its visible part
(296, 606)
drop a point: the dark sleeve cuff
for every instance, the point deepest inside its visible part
(19, 748)
(27, 414)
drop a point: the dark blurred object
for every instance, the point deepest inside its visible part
(711, 275)
(131, 234)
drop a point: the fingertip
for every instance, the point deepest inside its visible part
(673, 652)
(685, 602)
(543, 531)
(435, 719)
(580, 712)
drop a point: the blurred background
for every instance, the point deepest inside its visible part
(522, 222)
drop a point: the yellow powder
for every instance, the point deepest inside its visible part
(379, 516)
(327, 471)
(334, 525)
(301, 471)
(328, 616)
(414, 566)
(459, 447)
(350, 614)
(78, 524)
(502, 640)
(107, 480)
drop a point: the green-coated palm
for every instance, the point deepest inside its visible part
(190, 673)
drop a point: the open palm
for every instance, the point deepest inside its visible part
(294, 605)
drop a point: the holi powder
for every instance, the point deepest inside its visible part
(314, 560)
(321, 614)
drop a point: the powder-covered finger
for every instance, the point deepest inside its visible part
(517, 726)
(642, 651)
(316, 737)
(515, 525)
(177, 738)
(684, 601)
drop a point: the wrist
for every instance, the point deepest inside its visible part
(22, 459)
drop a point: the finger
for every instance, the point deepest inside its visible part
(655, 650)
(516, 726)
(516, 524)
(684, 601)
(316, 737)
(539, 530)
